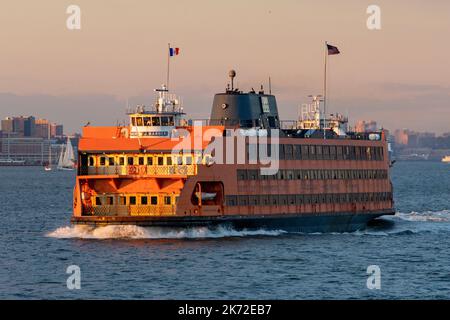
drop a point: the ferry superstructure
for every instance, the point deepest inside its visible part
(161, 169)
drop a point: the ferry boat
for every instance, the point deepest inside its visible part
(243, 168)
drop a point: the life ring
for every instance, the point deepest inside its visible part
(132, 169)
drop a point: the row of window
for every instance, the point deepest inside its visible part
(320, 152)
(313, 174)
(153, 121)
(300, 199)
(160, 160)
(132, 200)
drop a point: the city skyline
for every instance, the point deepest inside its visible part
(395, 76)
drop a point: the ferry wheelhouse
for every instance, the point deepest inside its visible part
(159, 169)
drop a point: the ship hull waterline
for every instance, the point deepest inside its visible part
(307, 223)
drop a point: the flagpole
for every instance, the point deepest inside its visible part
(168, 67)
(325, 91)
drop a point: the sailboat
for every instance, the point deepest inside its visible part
(66, 158)
(48, 167)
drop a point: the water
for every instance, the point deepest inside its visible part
(119, 262)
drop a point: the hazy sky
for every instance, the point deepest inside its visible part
(398, 76)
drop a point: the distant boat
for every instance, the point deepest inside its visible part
(11, 162)
(66, 158)
(446, 159)
(48, 167)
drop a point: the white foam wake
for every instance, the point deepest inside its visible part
(136, 232)
(432, 216)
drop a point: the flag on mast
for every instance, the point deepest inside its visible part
(332, 49)
(174, 51)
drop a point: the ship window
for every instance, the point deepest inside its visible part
(102, 161)
(305, 153)
(290, 174)
(272, 122)
(91, 161)
(281, 153)
(98, 201)
(169, 160)
(160, 161)
(243, 200)
(164, 121)
(274, 199)
(171, 122)
(167, 200)
(132, 200)
(326, 152)
(109, 200)
(179, 160)
(147, 121)
(133, 121)
(122, 201)
(288, 149)
(319, 152)
(189, 160)
(312, 152)
(139, 121)
(111, 161)
(144, 200)
(130, 161)
(231, 200)
(154, 200)
(253, 174)
(297, 152)
(121, 161)
(141, 161)
(336, 152)
(241, 174)
(149, 161)
(254, 200)
(265, 200)
(156, 121)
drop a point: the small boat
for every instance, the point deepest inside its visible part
(66, 158)
(48, 168)
(446, 159)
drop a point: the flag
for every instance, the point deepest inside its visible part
(174, 51)
(332, 49)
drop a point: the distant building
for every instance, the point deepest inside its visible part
(22, 126)
(43, 129)
(7, 125)
(401, 137)
(31, 127)
(56, 130)
(366, 126)
(36, 141)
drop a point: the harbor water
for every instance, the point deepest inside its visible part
(38, 244)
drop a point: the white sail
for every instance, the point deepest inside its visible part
(66, 159)
(60, 160)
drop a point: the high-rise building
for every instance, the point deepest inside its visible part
(56, 130)
(43, 129)
(7, 125)
(366, 126)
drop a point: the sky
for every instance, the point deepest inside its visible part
(397, 76)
